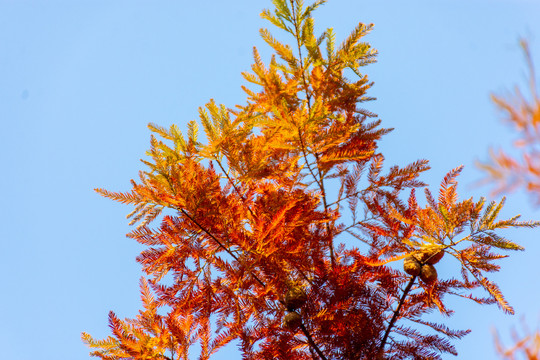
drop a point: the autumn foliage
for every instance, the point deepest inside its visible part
(526, 345)
(281, 233)
(518, 169)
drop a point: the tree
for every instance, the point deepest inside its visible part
(283, 233)
(509, 172)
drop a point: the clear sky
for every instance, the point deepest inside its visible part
(80, 79)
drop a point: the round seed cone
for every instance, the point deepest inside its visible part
(429, 256)
(411, 266)
(295, 298)
(292, 320)
(428, 273)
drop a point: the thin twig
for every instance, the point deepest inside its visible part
(220, 244)
(396, 312)
(311, 342)
(235, 188)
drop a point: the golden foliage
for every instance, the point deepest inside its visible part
(288, 191)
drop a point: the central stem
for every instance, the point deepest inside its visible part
(320, 179)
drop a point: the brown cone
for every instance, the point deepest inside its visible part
(295, 298)
(411, 266)
(428, 273)
(429, 256)
(292, 320)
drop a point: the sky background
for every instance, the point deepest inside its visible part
(80, 80)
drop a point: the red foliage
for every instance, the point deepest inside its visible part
(277, 199)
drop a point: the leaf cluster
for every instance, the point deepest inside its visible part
(287, 191)
(518, 168)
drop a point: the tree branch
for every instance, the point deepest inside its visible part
(396, 312)
(220, 244)
(320, 180)
(311, 342)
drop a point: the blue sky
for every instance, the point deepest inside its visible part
(80, 79)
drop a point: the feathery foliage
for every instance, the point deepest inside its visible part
(283, 228)
(508, 171)
(526, 345)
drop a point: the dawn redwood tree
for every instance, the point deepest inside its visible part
(281, 232)
(519, 169)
